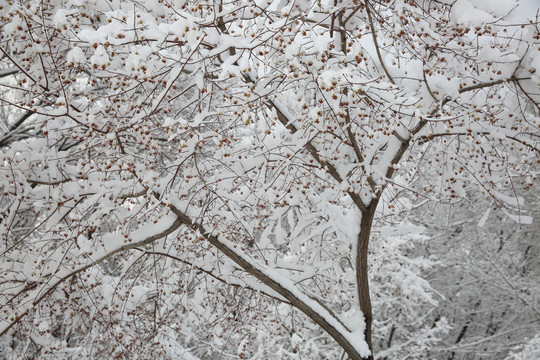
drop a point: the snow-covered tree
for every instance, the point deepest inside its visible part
(487, 274)
(186, 178)
(531, 350)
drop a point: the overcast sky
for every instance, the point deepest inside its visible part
(527, 8)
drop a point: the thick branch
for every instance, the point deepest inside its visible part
(211, 274)
(405, 144)
(321, 316)
(8, 71)
(283, 119)
(53, 280)
(13, 129)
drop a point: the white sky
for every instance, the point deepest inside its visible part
(527, 8)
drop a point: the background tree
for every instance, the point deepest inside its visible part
(202, 162)
(487, 272)
(530, 351)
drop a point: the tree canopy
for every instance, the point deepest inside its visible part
(188, 178)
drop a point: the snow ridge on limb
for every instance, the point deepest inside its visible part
(350, 340)
(35, 291)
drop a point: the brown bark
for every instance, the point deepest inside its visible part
(362, 270)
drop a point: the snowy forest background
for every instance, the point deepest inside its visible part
(269, 179)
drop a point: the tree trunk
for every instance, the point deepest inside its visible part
(362, 270)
